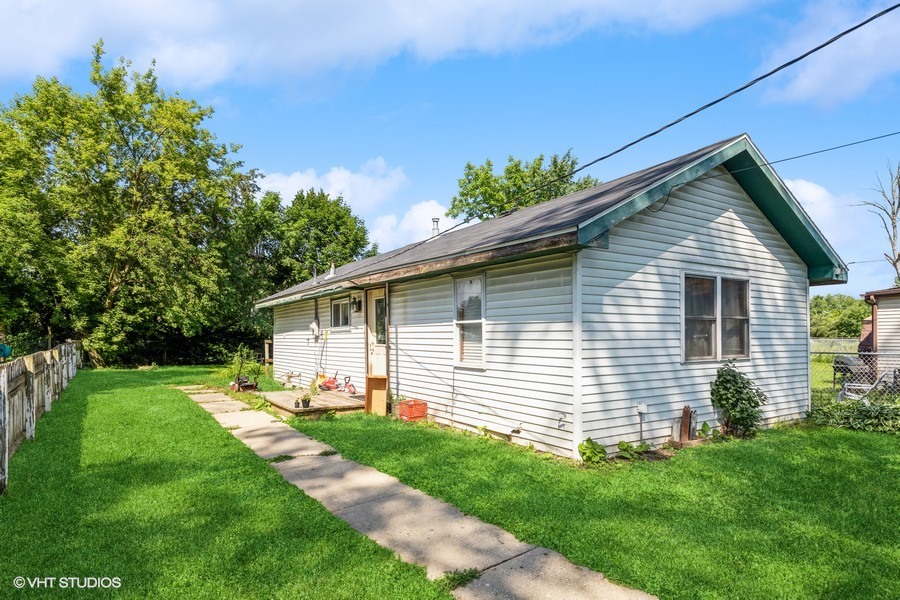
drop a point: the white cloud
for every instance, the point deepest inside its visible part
(848, 68)
(203, 43)
(856, 235)
(819, 203)
(392, 232)
(364, 190)
(838, 217)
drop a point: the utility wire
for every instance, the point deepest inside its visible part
(679, 120)
(714, 102)
(798, 156)
(729, 173)
(705, 177)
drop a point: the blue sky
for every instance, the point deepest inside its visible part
(385, 101)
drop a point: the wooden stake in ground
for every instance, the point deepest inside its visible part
(685, 423)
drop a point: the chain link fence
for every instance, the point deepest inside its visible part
(834, 345)
(872, 377)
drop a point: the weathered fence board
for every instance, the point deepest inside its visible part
(28, 388)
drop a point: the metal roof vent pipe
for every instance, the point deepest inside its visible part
(435, 230)
(331, 272)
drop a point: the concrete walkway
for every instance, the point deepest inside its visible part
(421, 529)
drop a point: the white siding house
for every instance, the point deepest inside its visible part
(633, 313)
(556, 322)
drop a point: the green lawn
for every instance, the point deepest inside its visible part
(795, 513)
(128, 478)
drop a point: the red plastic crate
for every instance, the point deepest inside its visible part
(412, 410)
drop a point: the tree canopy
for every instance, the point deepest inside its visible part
(837, 316)
(484, 194)
(125, 223)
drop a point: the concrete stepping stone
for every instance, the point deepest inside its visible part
(339, 483)
(419, 528)
(244, 418)
(211, 397)
(434, 534)
(223, 406)
(279, 439)
(543, 573)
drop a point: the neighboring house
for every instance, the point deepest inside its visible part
(554, 323)
(885, 321)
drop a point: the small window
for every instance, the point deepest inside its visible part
(340, 313)
(469, 321)
(716, 318)
(699, 318)
(380, 321)
(735, 318)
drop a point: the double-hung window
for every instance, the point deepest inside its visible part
(716, 317)
(340, 313)
(468, 295)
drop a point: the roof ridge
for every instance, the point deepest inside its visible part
(528, 222)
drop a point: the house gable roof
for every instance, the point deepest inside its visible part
(584, 217)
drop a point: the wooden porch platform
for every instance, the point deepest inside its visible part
(283, 403)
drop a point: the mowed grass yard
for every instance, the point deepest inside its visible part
(798, 512)
(129, 478)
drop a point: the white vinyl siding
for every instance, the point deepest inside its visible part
(526, 383)
(632, 311)
(888, 335)
(295, 349)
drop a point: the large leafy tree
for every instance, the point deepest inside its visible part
(276, 246)
(317, 230)
(125, 223)
(837, 316)
(484, 194)
(128, 199)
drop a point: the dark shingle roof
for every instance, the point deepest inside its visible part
(541, 220)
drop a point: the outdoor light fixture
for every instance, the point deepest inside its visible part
(355, 304)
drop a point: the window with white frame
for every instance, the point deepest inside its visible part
(469, 320)
(716, 317)
(340, 313)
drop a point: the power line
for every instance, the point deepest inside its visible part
(798, 156)
(679, 120)
(705, 177)
(714, 102)
(729, 173)
(847, 145)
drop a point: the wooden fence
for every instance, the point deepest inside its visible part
(28, 388)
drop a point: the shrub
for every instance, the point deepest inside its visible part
(630, 451)
(738, 399)
(244, 362)
(856, 415)
(592, 453)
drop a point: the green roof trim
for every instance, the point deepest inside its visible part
(765, 189)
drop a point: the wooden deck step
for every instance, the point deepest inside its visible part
(323, 402)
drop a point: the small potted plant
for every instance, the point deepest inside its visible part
(305, 400)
